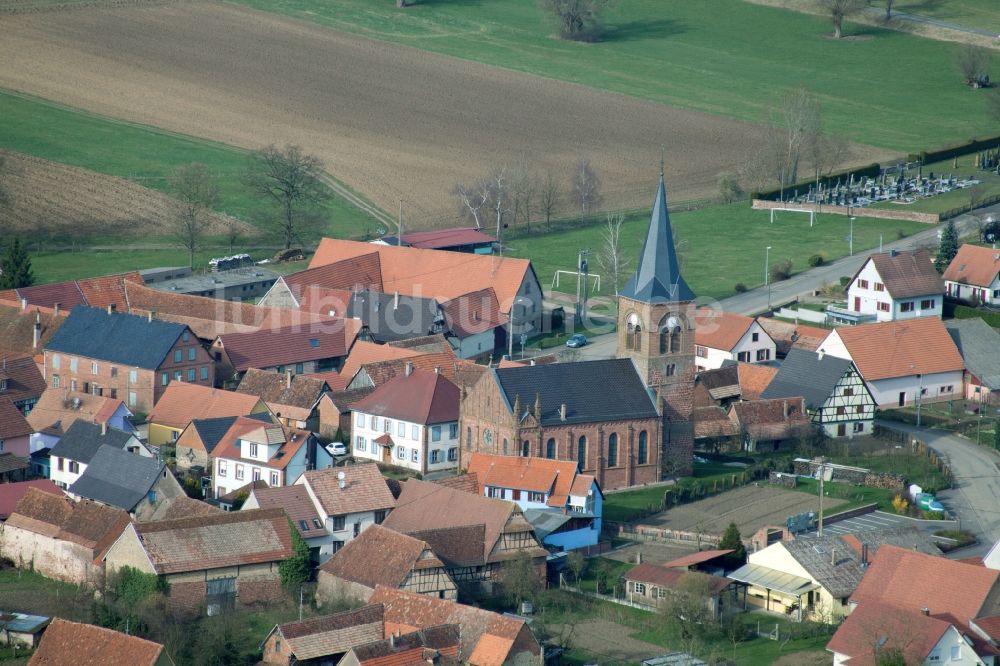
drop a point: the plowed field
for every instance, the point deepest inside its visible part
(389, 121)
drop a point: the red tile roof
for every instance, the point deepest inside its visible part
(787, 335)
(287, 345)
(12, 422)
(754, 379)
(766, 419)
(436, 239)
(11, 493)
(990, 626)
(873, 624)
(369, 352)
(695, 558)
(552, 477)
(90, 524)
(182, 403)
(98, 292)
(17, 329)
(24, 380)
(472, 313)
(290, 440)
(290, 397)
(712, 421)
(662, 576)
(906, 273)
(364, 489)
(974, 265)
(719, 329)
(330, 635)
(297, 504)
(901, 348)
(334, 380)
(361, 270)
(57, 410)
(380, 556)
(66, 642)
(420, 397)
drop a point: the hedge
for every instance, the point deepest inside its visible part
(958, 311)
(948, 152)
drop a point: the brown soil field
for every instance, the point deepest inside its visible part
(60, 200)
(389, 121)
(750, 507)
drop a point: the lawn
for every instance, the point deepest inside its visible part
(628, 505)
(717, 246)
(29, 592)
(726, 57)
(916, 468)
(144, 154)
(981, 14)
(855, 495)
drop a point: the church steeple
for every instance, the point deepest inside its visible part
(658, 276)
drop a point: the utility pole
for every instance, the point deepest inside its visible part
(399, 226)
(584, 268)
(301, 590)
(821, 473)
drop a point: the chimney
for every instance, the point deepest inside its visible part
(408, 368)
(111, 308)
(56, 308)
(392, 640)
(532, 361)
(784, 408)
(925, 611)
(395, 301)
(104, 428)
(864, 555)
(562, 412)
(288, 379)
(638, 557)
(24, 304)
(437, 370)
(820, 353)
(833, 557)
(893, 253)
(341, 480)
(149, 316)
(36, 337)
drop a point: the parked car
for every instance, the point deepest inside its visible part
(577, 340)
(337, 449)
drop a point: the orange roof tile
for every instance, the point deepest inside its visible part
(182, 403)
(333, 379)
(874, 624)
(719, 329)
(554, 477)
(60, 406)
(787, 335)
(472, 313)
(66, 642)
(369, 352)
(364, 489)
(287, 345)
(901, 348)
(974, 265)
(360, 269)
(420, 397)
(754, 379)
(293, 440)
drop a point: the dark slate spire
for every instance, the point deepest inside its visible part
(658, 277)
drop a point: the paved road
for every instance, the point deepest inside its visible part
(926, 20)
(976, 498)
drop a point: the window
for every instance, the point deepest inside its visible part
(93, 368)
(879, 286)
(374, 425)
(550, 448)
(72, 385)
(192, 353)
(401, 452)
(280, 369)
(359, 419)
(436, 433)
(670, 370)
(701, 351)
(300, 368)
(525, 449)
(59, 464)
(883, 307)
(643, 448)
(192, 374)
(55, 361)
(178, 375)
(72, 365)
(495, 493)
(613, 450)
(633, 333)
(414, 455)
(862, 284)
(337, 523)
(841, 411)
(114, 371)
(55, 381)
(639, 588)
(435, 457)
(906, 306)
(452, 431)
(387, 425)
(536, 497)
(253, 449)
(956, 652)
(468, 438)
(379, 517)
(178, 355)
(185, 336)
(415, 432)
(204, 372)
(222, 468)
(132, 398)
(581, 453)
(400, 429)
(860, 409)
(743, 356)
(274, 479)
(763, 354)
(133, 376)
(256, 474)
(453, 454)
(755, 337)
(74, 467)
(152, 496)
(505, 446)
(947, 389)
(859, 427)
(848, 391)
(239, 472)
(927, 304)
(359, 443)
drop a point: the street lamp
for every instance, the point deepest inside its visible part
(851, 237)
(767, 267)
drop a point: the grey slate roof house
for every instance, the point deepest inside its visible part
(392, 317)
(130, 482)
(979, 345)
(71, 456)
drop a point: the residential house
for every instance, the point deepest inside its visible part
(272, 452)
(293, 399)
(564, 506)
(323, 640)
(731, 383)
(978, 343)
(438, 644)
(715, 562)
(78, 446)
(124, 357)
(814, 578)
(58, 409)
(25, 332)
(651, 585)
(876, 632)
(410, 421)
(788, 335)
(194, 446)
(66, 642)
(391, 317)
(769, 425)
(974, 274)
(15, 431)
(13, 468)
(485, 638)
(134, 483)
(349, 500)
(182, 403)
(99, 292)
(11, 494)
(836, 397)
(381, 556)
(472, 535)
(895, 285)
(726, 336)
(902, 362)
(217, 560)
(476, 326)
(21, 382)
(597, 414)
(59, 538)
(300, 509)
(458, 239)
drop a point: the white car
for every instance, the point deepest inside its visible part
(337, 449)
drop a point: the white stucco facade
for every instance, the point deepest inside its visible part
(950, 649)
(755, 346)
(868, 295)
(415, 446)
(341, 528)
(988, 295)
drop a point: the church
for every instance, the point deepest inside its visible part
(627, 420)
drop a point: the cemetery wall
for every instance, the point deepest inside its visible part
(879, 213)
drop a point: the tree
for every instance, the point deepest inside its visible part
(729, 188)
(548, 197)
(196, 192)
(291, 181)
(974, 63)
(797, 126)
(15, 267)
(295, 570)
(827, 153)
(611, 257)
(579, 20)
(689, 620)
(888, 10)
(585, 185)
(577, 563)
(519, 579)
(948, 247)
(731, 540)
(839, 10)
(523, 192)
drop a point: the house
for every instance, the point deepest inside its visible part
(485, 638)
(726, 336)
(974, 273)
(300, 509)
(410, 421)
(787, 335)
(381, 556)
(458, 239)
(895, 285)
(876, 632)
(58, 409)
(99, 292)
(349, 500)
(836, 397)
(472, 535)
(66, 642)
(323, 640)
(236, 284)
(293, 399)
(11, 494)
(21, 382)
(59, 538)
(376, 373)
(124, 357)
(769, 425)
(597, 414)
(194, 446)
(216, 560)
(814, 578)
(903, 362)
(128, 481)
(978, 343)
(182, 403)
(439, 644)
(25, 332)
(731, 383)
(564, 506)
(715, 562)
(21, 629)
(13, 468)
(15, 431)
(299, 348)
(475, 324)
(183, 506)
(392, 317)
(252, 451)
(69, 458)
(651, 585)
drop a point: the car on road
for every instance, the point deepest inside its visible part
(576, 341)
(337, 449)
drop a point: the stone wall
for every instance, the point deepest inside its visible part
(330, 588)
(53, 558)
(879, 213)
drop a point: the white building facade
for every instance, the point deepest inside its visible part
(754, 346)
(415, 446)
(868, 294)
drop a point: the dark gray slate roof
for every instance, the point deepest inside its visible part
(82, 440)
(390, 318)
(211, 431)
(593, 391)
(804, 374)
(116, 338)
(117, 478)
(658, 277)
(979, 345)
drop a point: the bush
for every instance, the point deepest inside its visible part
(781, 270)
(844, 280)
(899, 504)
(816, 260)
(192, 488)
(729, 188)
(740, 288)
(296, 569)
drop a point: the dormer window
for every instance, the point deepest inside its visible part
(3, 384)
(253, 450)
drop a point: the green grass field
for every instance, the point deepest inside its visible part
(718, 246)
(982, 14)
(726, 57)
(146, 154)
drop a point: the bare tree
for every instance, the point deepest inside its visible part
(290, 180)
(548, 197)
(610, 256)
(689, 618)
(974, 63)
(522, 194)
(757, 171)
(826, 153)
(585, 185)
(795, 126)
(197, 192)
(841, 9)
(579, 20)
(499, 187)
(472, 200)
(888, 10)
